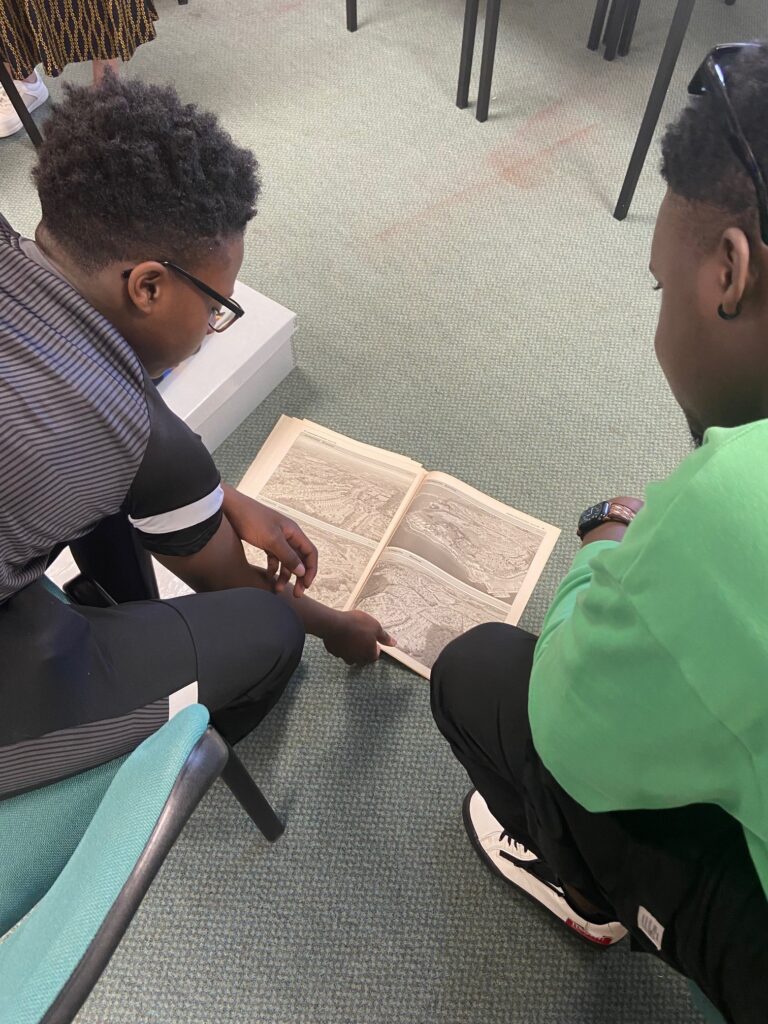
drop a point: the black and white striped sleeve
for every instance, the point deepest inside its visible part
(175, 500)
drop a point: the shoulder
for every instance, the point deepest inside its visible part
(706, 508)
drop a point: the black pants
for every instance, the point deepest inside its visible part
(689, 867)
(81, 686)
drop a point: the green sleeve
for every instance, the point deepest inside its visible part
(577, 579)
(612, 716)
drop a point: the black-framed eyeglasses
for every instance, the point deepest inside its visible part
(220, 319)
(711, 79)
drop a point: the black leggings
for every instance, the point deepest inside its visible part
(689, 867)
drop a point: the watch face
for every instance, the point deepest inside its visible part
(593, 516)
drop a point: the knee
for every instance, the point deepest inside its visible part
(478, 669)
(283, 629)
(455, 674)
(459, 659)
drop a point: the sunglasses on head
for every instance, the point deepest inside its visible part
(712, 80)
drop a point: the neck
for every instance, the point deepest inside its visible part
(99, 288)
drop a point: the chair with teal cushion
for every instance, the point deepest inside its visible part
(77, 857)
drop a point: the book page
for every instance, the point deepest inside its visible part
(422, 607)
(345, 495)
(455, 559)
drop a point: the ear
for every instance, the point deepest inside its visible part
(147, 284)
(733, 258)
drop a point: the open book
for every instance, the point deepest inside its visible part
(425, 554)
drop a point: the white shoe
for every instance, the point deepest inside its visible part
(33, 93)
(522, 868)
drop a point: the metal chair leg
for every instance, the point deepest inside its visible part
(467, 50)
(352, 15)
(616, 20)
(674, 42)
(629, 28)
(6, 80)
(598, 22)
(250, 797)
(492, 11)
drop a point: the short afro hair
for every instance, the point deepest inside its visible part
(698, 161)
(127, 171)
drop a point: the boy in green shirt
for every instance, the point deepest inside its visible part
(621, 761)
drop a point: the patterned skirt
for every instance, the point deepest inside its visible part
(61, 32)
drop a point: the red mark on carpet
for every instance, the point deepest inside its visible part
(525, 171)
(507, 167)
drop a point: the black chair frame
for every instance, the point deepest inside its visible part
(212, 757)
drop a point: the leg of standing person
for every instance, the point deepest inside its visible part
(100, 68)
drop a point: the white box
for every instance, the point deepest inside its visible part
(233, 372)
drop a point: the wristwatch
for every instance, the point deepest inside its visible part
(604, 512)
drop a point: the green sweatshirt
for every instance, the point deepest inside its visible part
(650, 680)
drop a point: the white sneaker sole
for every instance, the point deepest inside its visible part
(597, 936)
(38, 102)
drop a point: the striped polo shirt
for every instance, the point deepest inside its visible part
(85, 434)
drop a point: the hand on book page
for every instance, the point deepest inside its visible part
(288, 549)
(355, 637)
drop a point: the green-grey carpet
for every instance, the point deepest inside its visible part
(465, 298)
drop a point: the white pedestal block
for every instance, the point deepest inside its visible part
(233, 372)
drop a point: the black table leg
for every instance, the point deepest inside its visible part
(629, 28)
(616, 20)
(492, 11)
(667, 64)
(467, 50)
(598, 21)
(19, 105)
(352, 15)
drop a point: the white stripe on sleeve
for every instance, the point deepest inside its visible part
(181, 518)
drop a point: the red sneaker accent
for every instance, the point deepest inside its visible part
(603, 940)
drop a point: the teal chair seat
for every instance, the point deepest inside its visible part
(77, 857)
(703, 1005)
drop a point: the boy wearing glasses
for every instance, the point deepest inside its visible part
(621, 759)
(144, 206)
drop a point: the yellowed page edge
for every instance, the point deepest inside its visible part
(408, 661)
(371, 451)
(270, 455)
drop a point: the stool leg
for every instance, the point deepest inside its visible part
(467, 50)
(352, 15)
(616, 20)
(598, 21)
(669, 57)
(250, 797)
(492, 11)
(629, 28)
